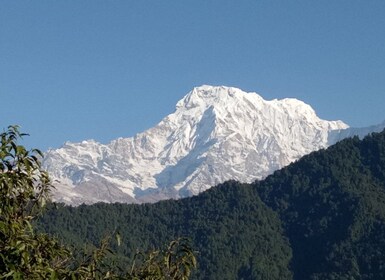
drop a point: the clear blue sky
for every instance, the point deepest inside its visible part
(75, 70)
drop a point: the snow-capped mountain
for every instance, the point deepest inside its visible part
(215, 134)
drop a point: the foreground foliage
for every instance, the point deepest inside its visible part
(25, 254)
(24, 187)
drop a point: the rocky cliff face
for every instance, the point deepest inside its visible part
(215, 134)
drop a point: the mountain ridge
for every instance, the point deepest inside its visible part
(216, 134)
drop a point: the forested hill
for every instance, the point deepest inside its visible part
(322, 217)
(332, 206)
(235, 234)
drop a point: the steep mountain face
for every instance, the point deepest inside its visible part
(215, 134)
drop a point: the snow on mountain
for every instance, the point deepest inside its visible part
(215, 134)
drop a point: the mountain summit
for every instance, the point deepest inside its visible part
(216, 134)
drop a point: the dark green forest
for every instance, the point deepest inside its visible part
(322, 217)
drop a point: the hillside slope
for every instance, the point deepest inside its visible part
(332, 205)
(322, 217)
